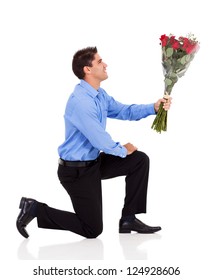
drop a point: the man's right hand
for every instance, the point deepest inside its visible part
(130, 148)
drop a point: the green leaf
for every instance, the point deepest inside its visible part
(188, 57)
(169, 52)
(168, 82)
(173, 75)
(185, 59)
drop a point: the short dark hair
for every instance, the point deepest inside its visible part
(83, 58)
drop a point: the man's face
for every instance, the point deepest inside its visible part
(98, 69)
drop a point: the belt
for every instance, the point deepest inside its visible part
(77, 163)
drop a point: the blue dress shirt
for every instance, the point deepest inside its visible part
(85, 122)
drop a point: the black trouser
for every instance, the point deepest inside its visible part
(83, 185)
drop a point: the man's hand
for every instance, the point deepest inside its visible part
(166, 104)
(130, 148)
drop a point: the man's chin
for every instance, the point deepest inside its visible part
(106, 77)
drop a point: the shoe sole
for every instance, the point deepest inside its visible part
(129, 231)
(124, 231)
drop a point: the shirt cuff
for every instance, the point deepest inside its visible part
(151, 109)
(124, 152)
(120, 151)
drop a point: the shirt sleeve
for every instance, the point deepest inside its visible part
(87, 122)
(131, 112)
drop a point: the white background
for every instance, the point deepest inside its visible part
(38, 39)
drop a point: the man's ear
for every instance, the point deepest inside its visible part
(87, 70)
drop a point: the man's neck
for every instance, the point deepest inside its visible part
(95, 84)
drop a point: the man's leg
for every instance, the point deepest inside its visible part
(136, 169)
(83, 185)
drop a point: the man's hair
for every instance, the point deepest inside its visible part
(83, 58)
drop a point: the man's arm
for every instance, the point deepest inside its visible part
(87, 122)
(135, 112)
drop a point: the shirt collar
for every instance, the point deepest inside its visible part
(91, 91)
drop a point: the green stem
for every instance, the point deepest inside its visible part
(160, 121)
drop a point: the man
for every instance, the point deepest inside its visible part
(89, 155)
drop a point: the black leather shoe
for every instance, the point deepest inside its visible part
(27, 213)
(136, 225)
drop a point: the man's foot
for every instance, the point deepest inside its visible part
(28, 208)
(136, 225)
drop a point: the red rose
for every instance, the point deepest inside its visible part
(175, 45)
(189, 46)
(172, 40)
(164, 40)
(186, 43)
(192, 48)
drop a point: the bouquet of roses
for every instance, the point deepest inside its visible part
(177, 54)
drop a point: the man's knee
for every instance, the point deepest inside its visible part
(142, 157)
(94, 233)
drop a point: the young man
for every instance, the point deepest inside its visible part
(89, 155)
